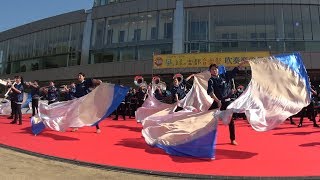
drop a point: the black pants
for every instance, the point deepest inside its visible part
(97, 126)
(132, 108)
(51, 102)
(17, 112)
(12, 108)
(178, 109)
(121, 109)
(35, 103)
(224, 106)
(140, 102)
(308, 112)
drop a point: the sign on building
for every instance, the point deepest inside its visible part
(228, 59)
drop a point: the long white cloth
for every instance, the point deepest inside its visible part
(5, 105)
(190, 132)
(279, 88)
(85, 111)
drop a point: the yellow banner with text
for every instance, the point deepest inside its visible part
(227, 59)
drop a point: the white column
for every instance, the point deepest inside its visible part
(85, 50)
(178, 28)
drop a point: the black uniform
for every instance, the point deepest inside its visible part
(35, 94)
(53, 95)
(83, 89)
(309, 112)
(17, 99)
(140, 96)
(221, 86)
(133, 104)
(71, 94)
(122, 108)
(179, 90)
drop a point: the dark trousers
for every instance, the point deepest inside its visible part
(178, 109)
(51, 102)
(17, 112)
(224, 106)
(308, 112)
(121, 109)
(35, 103)
(140, 102)
(132, 108)
(12, 108)
(97, 126)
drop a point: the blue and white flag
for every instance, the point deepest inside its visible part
(190, 132)
(85, 111)
(279, 88)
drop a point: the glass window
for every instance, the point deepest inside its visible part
(81, 36)
(198, 26)
(133, 25)
(137, 35)
(164, 49)
(279, 22)
(294, 46)
(97, 3)
(66, 38)
(113, 26)
(306, 22)
(45, 42)
(127, 54)
(16, 67)
(29, 65)
(152, 25)
(312, 46)
(121, 36)
(315, 19)
(109, 36)
(98, 30)
(54, 62)
(108, 55)
(227, 20)
(75, 28)
(146, 52)
(297, 22)
(153, 33)
(234, 36)
(142, 27)
(8, 68)
(166, 24)
(270, 21)
(234, 44)
(288, 22)
(74, 58)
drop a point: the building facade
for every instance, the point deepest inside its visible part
(116, 40)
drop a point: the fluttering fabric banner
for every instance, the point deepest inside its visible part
(279, 88)
(85, 111)
(190, 132)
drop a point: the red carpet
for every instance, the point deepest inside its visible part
(285, 151)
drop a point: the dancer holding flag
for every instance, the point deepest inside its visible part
(220, 90)
(83, 88)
